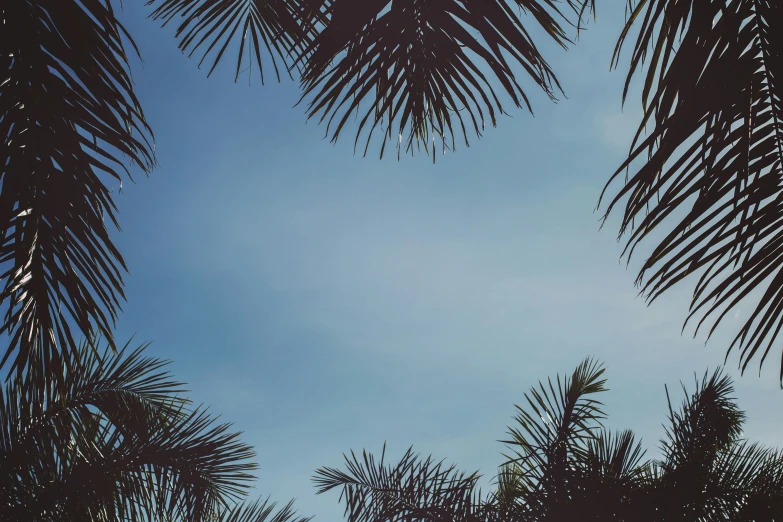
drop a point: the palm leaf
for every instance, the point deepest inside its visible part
(115, 442)
(705, 429)
(130, 391)
(551, 437)
(708, 472)
(69, 122)
(411, 490)
(423, 72)
(555, 428)
(747, 482)
(617, 456)
(258, 511)
(707, 423)
(706, 175)
(272, 27)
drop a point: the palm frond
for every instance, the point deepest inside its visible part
(188, 468)
(412, 490)
(708, 472)
(560, 419)
(425, 72)
(258, 511)
(272, 27)
(68, 119)
(116, 443)
(550, 437)
(709, 168)
(130, 391)
(753, 475)
(617, 456)
(746, 477)
(608, 482)
(707, 423)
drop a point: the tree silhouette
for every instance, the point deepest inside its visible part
(564, 465)
(712, 159)
(419, 75)
(709, 147)
(118, 442)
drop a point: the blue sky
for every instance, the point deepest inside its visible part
(324, 302)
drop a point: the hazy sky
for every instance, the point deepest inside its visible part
(324, 302)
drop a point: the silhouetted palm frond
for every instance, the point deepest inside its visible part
(258, 511)
(68, 118)
(747, 482)
(711, 161)
(422, 71)
(560, 420)
(115, 443)
(618, 456)
(708, 473)
(412, 490)
(708, 422)
(274, 27)
(551, 434)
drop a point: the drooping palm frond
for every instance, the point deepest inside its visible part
(272, 27)
(710, 165)
(116, 443)
(68, 119)
(413, 490)
(425, 71)
(417, 69)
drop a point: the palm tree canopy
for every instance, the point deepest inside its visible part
(566, 466)
(423, 74)
(117, 441)
(706, 173)
(70, 125)
(73, 127)
(414, 74)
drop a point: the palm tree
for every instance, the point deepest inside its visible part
(564, 465)
(71, 125)
(118, 442)
(711, 161)
(73, 129)
(708, 153)
(423, 74)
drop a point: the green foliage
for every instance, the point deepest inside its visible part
(567, 466)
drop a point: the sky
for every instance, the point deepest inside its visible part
(324, 302)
